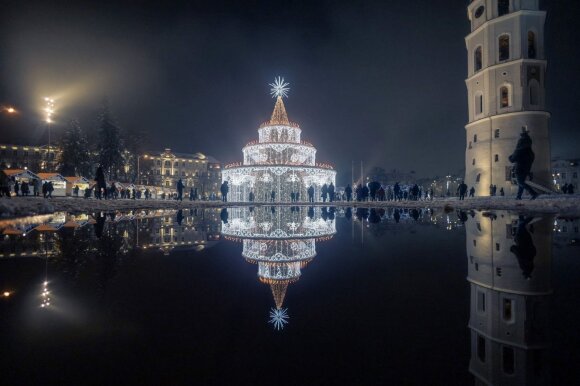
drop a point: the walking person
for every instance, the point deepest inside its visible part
(523, 158)
(180, 187)
(331, 192)
(462, 189)
(472, 192)
(311, 193)
(224, 189)
(101, 184)
(348, 192)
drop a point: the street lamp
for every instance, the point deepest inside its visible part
(49, 110)
(8, 109)
(138, 169)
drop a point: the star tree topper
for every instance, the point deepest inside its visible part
(279, 88)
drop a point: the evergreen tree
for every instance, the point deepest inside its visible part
(75, 157)
(110, 147)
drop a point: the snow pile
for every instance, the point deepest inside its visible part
(566, 205)
(17, 207)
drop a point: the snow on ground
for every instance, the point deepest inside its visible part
(565, 205)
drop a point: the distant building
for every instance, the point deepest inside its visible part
(35, 158)
(195, 170)
(506, 91)
(565, 171)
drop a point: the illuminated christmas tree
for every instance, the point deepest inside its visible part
(279, 165)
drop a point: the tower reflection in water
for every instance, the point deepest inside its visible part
(509, 271)
(281, 241)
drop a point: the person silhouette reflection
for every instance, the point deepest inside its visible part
(311, 212)
(348, 213)
(179, 217)
(397, 215)
(524, 248)
(99, 225)
(224, 215)
(462, 216)
(415, 214)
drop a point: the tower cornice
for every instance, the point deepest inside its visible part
(508, 16)
(506, 64)
(510, 114)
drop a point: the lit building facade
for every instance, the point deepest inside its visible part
(509, 271)
(565, 171)
(505, 91)
(279, 161)
(35, 158)
(196, 170)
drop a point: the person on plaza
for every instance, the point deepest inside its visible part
(24, 188)
(311, 193)
(101, 184)
(523, 158)
(50, 189)
(37, 186)
(397, 191)
(365, 193)
(4, 185)
(501, 192)
(324, 192)
(292, 196)
(565, 188)
(381, 194)
(251, 197)
(272, 195)
(224, 189)
(191, 194)
(180, 187)
(17, 188)
(76, 190)
(472, 192)
(348, 192)
(462, 189)
(331, 192)
(570, 189)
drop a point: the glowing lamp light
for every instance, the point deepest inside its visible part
(6, 294)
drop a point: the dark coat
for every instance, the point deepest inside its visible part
(523, 156)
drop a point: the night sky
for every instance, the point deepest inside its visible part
(380, 81)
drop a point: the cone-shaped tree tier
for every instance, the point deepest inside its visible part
(279, 116)
(279, 292)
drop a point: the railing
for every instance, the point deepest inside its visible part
(269, 123)
(323, 165)
(257, 142)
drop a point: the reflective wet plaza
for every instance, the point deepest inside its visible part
(290, 295)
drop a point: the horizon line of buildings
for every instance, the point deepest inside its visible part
(197, 170)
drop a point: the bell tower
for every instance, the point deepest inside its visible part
(506, 92)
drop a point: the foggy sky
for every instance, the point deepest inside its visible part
(381, 82)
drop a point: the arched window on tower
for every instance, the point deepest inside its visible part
(504, 97)
(534, 92)
(503, 7)
(478, 104)
(477, 60)
(531, 45)
(504, 47)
